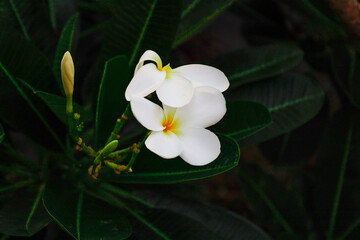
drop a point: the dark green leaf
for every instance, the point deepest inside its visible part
(213, 221)
(337, 174)
(111, 98)
(274, 205)
(65, 44)
(82, 216)
(345, 66)
(2, 134)
(15, 213)
(23, 60)
(18, 104)
(150, 168)
(243, 119)
(196, 15)
(253, 64)
(19, 58)
(291, 99)
(57, 105)
(31, 19)
(137, 26)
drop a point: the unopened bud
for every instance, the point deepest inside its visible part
(110, 147)
(67, 74)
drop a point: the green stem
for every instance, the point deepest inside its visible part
(34, 206)
(125, 194)
(16, 185)
(269, 203)
(52, 14)
(340, 182)
(189, 8)
(119, 152)
(78, 213)
(119, 124)
(18, 17)
(350, 229)
(136, 151)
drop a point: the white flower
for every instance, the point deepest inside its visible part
(181, 131)
(174, 87)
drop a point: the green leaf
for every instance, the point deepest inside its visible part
(18, 105)
(196, 15)
(243, 119)
(111, 98)
(150, 168)
(22, 215)
(31, 21)
(57, 105)
(137, 26)
(65, 44)
(337, 175)
(254, 64)
(211, 221)
(291, 99)
(275, 205)
(82, 216)
(2, 133)
(345, 66)
(23, 60)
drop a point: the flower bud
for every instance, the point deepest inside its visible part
(110, 147)
(67, 74)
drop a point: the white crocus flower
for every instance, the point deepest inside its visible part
(174, 87)
(181, 131)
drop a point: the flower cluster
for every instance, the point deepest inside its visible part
(192, 100)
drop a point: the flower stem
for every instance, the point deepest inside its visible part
(119, 124)
(340, 182)
(119, 152)
(136, 151)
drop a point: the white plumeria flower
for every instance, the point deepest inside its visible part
(181, 131)
(174, 87)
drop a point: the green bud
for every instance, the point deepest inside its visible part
(76, 116)
(110, 147)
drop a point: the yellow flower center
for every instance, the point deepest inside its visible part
(170, 124)
(166, 68)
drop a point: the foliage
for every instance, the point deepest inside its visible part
(297, 56)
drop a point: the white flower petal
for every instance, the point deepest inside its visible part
(149, 55)
(203, 75)
(175, 91)
(145, 81)
(200, 146)
(169, 111)
(148, 113)
(207, 107)
(166, 145)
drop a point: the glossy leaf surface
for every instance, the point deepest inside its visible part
(243, 119)
(196, 15)
(65, 44)
(150, 168)
(111, 98)
(82, 216)
(291, 99)
(16, 218)
(254, 64)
